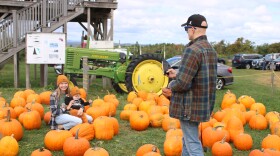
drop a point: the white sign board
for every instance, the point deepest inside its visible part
(101, 44)
(45, 48)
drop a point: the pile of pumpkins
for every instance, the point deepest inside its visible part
(227, 125)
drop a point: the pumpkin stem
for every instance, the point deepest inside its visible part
(224, 139)
(77, 134)
(42, 149)
(8, 115)
(154, 149)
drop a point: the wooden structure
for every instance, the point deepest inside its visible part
(19, 17)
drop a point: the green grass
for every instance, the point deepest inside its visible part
(255, 83)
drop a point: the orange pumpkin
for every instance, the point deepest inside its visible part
(75, 146)
(27, 92)
(104, 129)
(173, 146)
(115, 125)
(17, 101)
(125, 114)
(86, 131)
(156, 119)
(228, 99)
(258, 122)
(96, 111)
(55, 139)
(257, 152)
(11, 126)
(146, 148)
(142, 94)
(139, 120)
(271, 141)
(258, 107)
(221, 148)
(174, 132)
(83, 93)
(243, 141)
(169, 123)
(211, 135)
(41, 152)
(31, 120)
(36, 107)
(8, 146)
(246, 100)
(131, 95)
(96, 151)
(33, 98)
(47, 117)
(234, 127)
(45, 97)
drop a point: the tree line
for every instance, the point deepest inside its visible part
(224, 50)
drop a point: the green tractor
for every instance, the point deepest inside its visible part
(128, 73)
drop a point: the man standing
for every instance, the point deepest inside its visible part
(193, 88)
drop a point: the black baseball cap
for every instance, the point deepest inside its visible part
(196, 21)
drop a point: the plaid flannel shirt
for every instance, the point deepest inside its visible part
(194, 89)
(55, 111)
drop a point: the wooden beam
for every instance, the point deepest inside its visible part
(108, 5)
(82, 25)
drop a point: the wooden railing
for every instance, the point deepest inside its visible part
(37, 16)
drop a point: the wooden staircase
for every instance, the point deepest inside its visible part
(41, 16)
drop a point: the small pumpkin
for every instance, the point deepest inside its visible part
(146, 148)
(96, 151)
(41, 152)
(221, 148)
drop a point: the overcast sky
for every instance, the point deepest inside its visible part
(159, 21)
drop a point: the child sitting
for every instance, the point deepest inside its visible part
(75, 105)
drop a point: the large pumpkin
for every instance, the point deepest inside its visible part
(173, 146)
(104, 129)
(31, 120)
(11, 126)
(75, 146)
(55, 139)
(271, 141)
(9, 146)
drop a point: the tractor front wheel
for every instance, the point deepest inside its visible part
(145, 73)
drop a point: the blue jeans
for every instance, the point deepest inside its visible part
(68, 121)
(191, 143)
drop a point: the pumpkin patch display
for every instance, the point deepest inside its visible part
(271, 141)
(243, 141)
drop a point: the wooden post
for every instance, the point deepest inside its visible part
(16, 56)
(107, 82)
(85, 73)
(272, 77)
(27, 78)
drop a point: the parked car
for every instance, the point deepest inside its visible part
(244, 60)
(221, 60)
(264, 63)
(276, 64)
(224, 72)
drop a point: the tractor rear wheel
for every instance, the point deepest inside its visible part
(145, 73)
